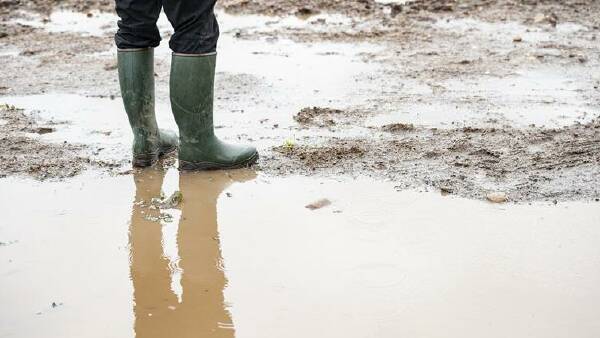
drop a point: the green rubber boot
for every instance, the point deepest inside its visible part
(192, 87)
(136, 76)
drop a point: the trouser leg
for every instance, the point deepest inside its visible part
(195, 24)
(137, 24)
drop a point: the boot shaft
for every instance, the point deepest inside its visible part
(192, 93)
(136, 77)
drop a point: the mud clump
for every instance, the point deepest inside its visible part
(328, 117)
(313, 158)
(317, 116)
(398, 127)
(322, 203)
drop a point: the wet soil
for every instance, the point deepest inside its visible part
(432, 59)
(526, 164)
(420, 8)
(23, 152)
(327, 117)
(26, 154)
(47, 6)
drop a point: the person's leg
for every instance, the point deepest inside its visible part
(192, 86)
(195, 24)
(137, 24)
(136, 36)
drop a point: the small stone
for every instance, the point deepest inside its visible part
(551, 18)
(539, 18)
(446, 190)
(305, 11)
(497, 197)
(517, 39)
(44, 130)
(110, 66)
(318, 204)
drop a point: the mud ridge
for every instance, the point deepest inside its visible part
(526, 164)
(327, 117)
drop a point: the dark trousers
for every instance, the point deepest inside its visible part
(196, 28)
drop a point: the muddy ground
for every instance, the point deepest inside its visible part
(21, 150)
(436, 45)
(530, 164)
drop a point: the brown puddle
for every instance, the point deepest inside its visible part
(242, 256)
(200, 311)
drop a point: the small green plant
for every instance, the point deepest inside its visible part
(289, 144)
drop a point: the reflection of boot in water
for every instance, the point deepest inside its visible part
(203, 279)
(149, 269)
(202, 312)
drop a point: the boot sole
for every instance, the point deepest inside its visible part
(143, 161)
(148, 160)
(202, 166)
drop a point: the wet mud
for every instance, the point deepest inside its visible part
(327, 117)
(526, 164)
(8, 7)
(25, 154)
(415, 8)
(24, 151)
(465, 97)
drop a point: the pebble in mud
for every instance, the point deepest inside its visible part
(318, 204)
(497, 197)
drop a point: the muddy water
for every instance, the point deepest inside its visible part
(542, 97)
(242, 256)
(270, 78)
